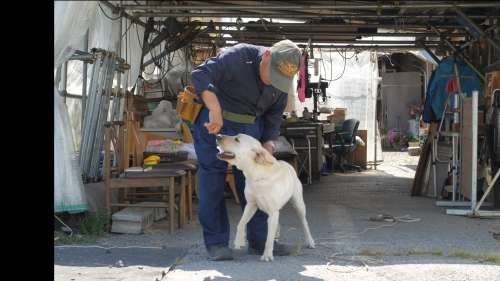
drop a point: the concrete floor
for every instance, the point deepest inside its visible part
(349, 246)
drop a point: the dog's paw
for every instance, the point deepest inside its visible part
(310, 244)
(239, 243)
(267, 257)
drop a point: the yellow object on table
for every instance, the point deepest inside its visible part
(152, 160)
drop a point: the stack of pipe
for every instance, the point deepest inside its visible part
(105, 66)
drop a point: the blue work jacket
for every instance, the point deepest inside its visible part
(233, 76)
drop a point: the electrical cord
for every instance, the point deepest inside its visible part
(381, 217)
(127, 29)
(137, 33)
(331, 74)
(111, 18)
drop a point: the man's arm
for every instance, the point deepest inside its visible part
(204, 78)
(272, 121)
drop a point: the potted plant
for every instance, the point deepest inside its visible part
(394, 138)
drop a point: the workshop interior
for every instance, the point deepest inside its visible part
(415, 77)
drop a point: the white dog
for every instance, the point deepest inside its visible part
(269, 185)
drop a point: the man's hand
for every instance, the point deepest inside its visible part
(269, 146)
(216, 121)
(215, 112)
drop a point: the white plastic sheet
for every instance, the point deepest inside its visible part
(71, 20)
(164, 116)
(355, 89)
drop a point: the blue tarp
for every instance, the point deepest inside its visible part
(437, 94)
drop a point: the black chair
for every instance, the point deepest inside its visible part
(345, 142)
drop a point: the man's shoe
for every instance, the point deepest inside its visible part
(257, 248)
(219, 252)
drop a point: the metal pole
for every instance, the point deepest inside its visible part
(315, 26)
(116, 96)
(294, 16)
(429, 51)
(96, 113)
(84, 79)
(330, 33)
(313, 7)
(64, 79)
(476, 29)
(473, 200)
(461, 55)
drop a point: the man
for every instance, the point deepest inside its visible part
(244, 90)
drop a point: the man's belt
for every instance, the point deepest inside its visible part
(238, 118)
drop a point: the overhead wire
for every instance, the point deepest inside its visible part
(111, 18)
(331, 65)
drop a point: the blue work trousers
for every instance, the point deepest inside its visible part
(212, 211)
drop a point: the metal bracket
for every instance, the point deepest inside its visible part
(428, 50)
(456, 51)
(474, 29)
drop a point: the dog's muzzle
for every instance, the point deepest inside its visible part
(223, 155)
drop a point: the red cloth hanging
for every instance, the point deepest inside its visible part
(303, 77)
(452, 86)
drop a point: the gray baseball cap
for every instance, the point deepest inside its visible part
(284, 64)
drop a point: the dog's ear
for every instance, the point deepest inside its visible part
(262, 157)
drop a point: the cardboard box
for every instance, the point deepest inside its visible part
(338, 115)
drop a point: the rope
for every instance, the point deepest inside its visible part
(382, 217)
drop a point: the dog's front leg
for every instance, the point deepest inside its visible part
(239, 239)
(272, 225)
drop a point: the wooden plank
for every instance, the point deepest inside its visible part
(182, 202)
(149, 205)
(190, 196)
(425, 156)
(171, 202)
(123, 157)
(156, 173)
(137, 182)
(492, 83)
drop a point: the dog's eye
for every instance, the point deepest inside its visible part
(237, 139)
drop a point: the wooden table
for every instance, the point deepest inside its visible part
(161, 178)
(190, 166)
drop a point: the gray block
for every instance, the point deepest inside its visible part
(159, 213)
(132, 220)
